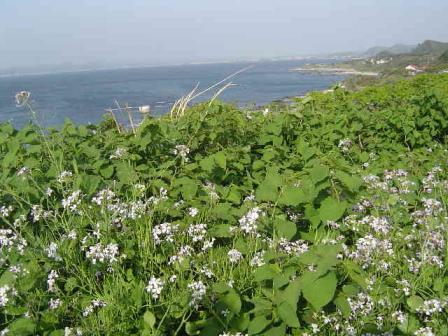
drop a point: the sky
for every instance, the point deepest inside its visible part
(39, 33)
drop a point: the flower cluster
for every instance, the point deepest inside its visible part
(103, 253)
(155, 287)
(197, 232)
(198, 291)
(248, 223)
(51, 281)
(9, 240)
(73, 201)
(182, 151)
(164, 232)
(345, 145)
(95, 304)
(103, 196)
(6, 292)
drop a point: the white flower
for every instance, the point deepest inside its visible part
(52, 251)
(72, 201)
(208, 244)
(345, 145)
(103, 254)
(430, 307)
(234, 256)
(94, 305)
(64, 176)
(198, 291)
(399, 316)
(314, 328)
(4, 292)
(361, 305)
(424, 331)
(297, 247)
(10, 240)
(49, 192)
(51, 280)
(22, 97)
(38, 213)
(103, 196)
(54, 303)
(182, 151)
(23, 171)
(119, 153)
(154, 287)
(207, 272)
(72, 331)
(197, 232)
(248, 222)
(193, 212)
(5, 210)
(257, 260)
(164, 232)
(211, 189)
(185, 251)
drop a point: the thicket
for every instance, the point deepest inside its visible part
(328, 217)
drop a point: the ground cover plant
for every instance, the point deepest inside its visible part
(326, 218)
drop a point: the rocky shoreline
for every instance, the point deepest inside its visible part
(336, 71)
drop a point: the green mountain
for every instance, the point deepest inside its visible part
(444, 56)
(431, 47)
(393, 50)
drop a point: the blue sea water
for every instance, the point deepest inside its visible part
(84, 96)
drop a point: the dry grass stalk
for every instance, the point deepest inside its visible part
(112, 114)
(181, 104)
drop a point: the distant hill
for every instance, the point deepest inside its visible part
(431, 47)
(393, 50)
(444, 56)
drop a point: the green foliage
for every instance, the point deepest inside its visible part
(225, 220)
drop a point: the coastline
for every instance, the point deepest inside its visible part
(336, 71)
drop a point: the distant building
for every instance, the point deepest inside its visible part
(413, 69)
(379, 61)
(382, 61)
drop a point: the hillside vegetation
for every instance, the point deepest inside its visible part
(328, 217)
(431, 47)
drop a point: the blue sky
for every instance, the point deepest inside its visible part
(136, 32)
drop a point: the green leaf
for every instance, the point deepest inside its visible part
(342, 303)
(220, 231)
(267, 191)
(320, 291)
(22, 327)
(414, 302)
(285, 228)
(319, 173)
(220, 159)
(331, 210)
(207, 164)
(107, 172)
(149, 319)
(353, 183)
(288, 315)
(276, 331)
(232, 301)
(409, 325)
(258, 324)
(240, 322)
(291, 294)
(293, 196)
(265, 272)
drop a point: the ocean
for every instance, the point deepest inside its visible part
(84, 96)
